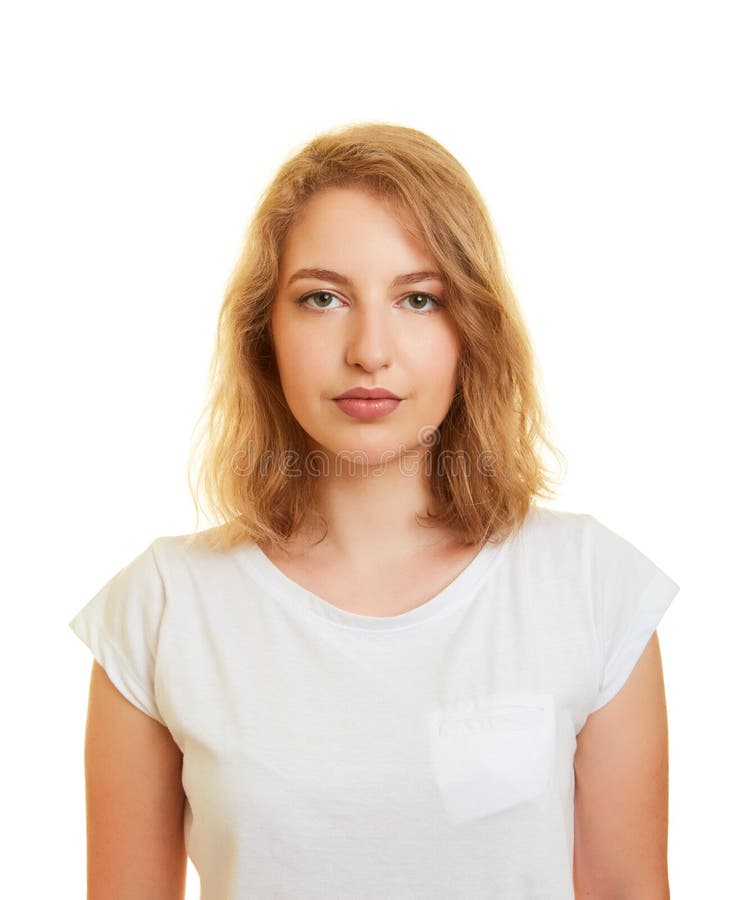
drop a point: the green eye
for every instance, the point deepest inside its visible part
(424, 298)
(321, 295)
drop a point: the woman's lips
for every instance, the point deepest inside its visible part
(367, 409)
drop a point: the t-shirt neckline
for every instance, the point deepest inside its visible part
(455, 592)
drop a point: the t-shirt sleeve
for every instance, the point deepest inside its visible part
(121, 624)
(630, 594)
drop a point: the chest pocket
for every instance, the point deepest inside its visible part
(492, 753)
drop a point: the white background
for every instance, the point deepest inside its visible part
(137, 138)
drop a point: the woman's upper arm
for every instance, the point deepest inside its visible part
(621, 769)
(135, 800)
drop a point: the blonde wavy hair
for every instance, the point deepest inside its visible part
(496, 415)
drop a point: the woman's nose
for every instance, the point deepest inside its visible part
(369, 338)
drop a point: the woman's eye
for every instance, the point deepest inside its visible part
(324, 298)
(414, 298)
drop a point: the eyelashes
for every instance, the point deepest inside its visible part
(303, 301)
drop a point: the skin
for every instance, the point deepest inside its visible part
(135, 801)
(621, 799)
(371, 336)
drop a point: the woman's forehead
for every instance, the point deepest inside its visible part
(338, 224)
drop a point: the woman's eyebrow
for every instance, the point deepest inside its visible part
(337, 278)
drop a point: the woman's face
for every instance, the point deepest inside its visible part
(368, 320)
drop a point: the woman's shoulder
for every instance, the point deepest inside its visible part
(208, 541)
(196, 550)
(549, 524)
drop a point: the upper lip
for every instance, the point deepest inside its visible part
(367, 394)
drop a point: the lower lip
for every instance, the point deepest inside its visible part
(367, 409)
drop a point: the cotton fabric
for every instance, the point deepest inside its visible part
(424, 755)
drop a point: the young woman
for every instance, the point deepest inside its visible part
(387, 672)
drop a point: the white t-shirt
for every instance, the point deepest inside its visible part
(328, 754)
